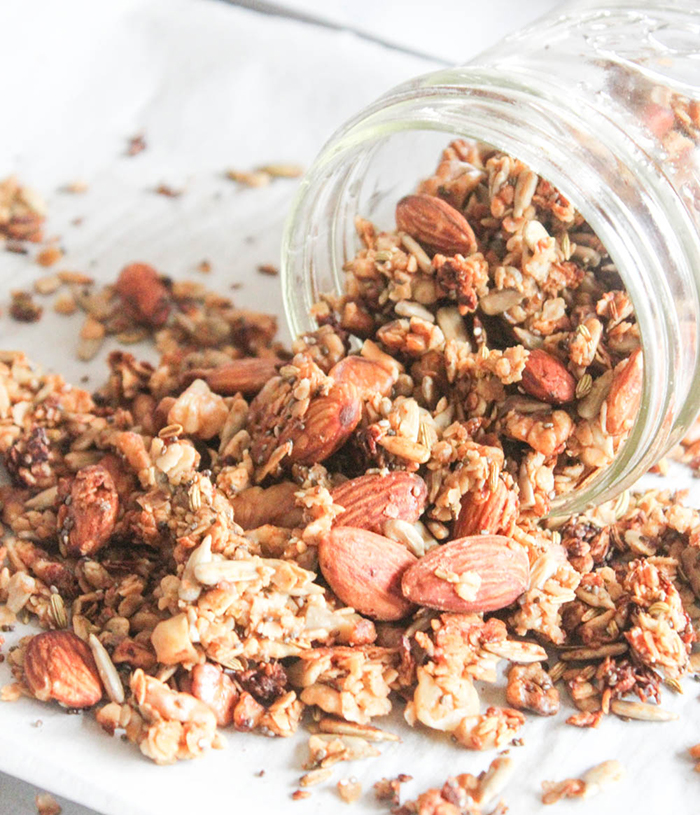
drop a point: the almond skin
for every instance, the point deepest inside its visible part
(372, 500)
(437, 225)
(144, 295)
(247, 376)
(325, 427)
(486, 512)
(275, 505)
(367, 376)
(625, 394)
(364, 570)
(59, 665)
(87, 518)
(547, 379)
(500, 564)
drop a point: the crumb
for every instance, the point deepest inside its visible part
(24, 309)
(17, 247)
(49, 256)
(268, 269)
(299, 795)
(167, 191)
(137, 144)
(204, 266)
(46, 804)
(75, 187)
(249, 179)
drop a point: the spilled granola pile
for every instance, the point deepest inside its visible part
(241, 533)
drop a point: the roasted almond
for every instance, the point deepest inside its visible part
(274, 505)
(490, 512)
(325, 427)
(478, 573)
(87, 517)
(59, 665)
(367, 376)
(364, 569)
(435, 224)
(371, 500)
(213, 687)
(547, 379)
(625, 394)
(144, 295)
(247, 376)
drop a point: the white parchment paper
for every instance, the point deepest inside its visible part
(211, 87)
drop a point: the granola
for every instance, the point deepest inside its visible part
(179, 532)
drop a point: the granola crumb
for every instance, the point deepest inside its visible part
(136, 144)
(204, 266)
(268, 269)
(300, 795)
(247, 178)
(349, 789)
(167, 191)
(49, 256)
(46, 804)
(77, 187)
(24, 309)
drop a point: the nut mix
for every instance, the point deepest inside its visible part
(242, 532)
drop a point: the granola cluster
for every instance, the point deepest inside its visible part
(240, 533)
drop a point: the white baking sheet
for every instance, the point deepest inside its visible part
(212, 87)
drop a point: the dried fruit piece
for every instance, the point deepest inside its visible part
(547, 379)
(478, 573)
(87, 517)
(59, 665)
(275, 505)
(367, 376)
(213, 687)
(364, 569)
(435, 224)
(372, 500)
(625, 394)
(325, 426)
(487, 512)
(247, 376)
(144, 295)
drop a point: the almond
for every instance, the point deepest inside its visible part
(275, 505)
(325, 427)
(59, 665)
(477, 573)
(486, 512)
(367, 376)
(144, 295)
(372, 500)
(547, 379)
(625, 394)
(88, 515)
(364, 570)
(213, 687)
(437, 225)
(247, 376)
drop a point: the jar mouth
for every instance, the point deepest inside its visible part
(576, 151)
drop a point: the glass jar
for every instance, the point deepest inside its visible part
(601, 99)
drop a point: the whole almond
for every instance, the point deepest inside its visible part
(325, 427)
(437, 225)
(275, 505)
(144, 295)
(372, 500)
(59, 665)
(625, 394)
(487, 512)
(88, 515)
(547, 379)
(367, 376)
(478, 573)
(213, 687)
(364, 570)
(247, 376)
